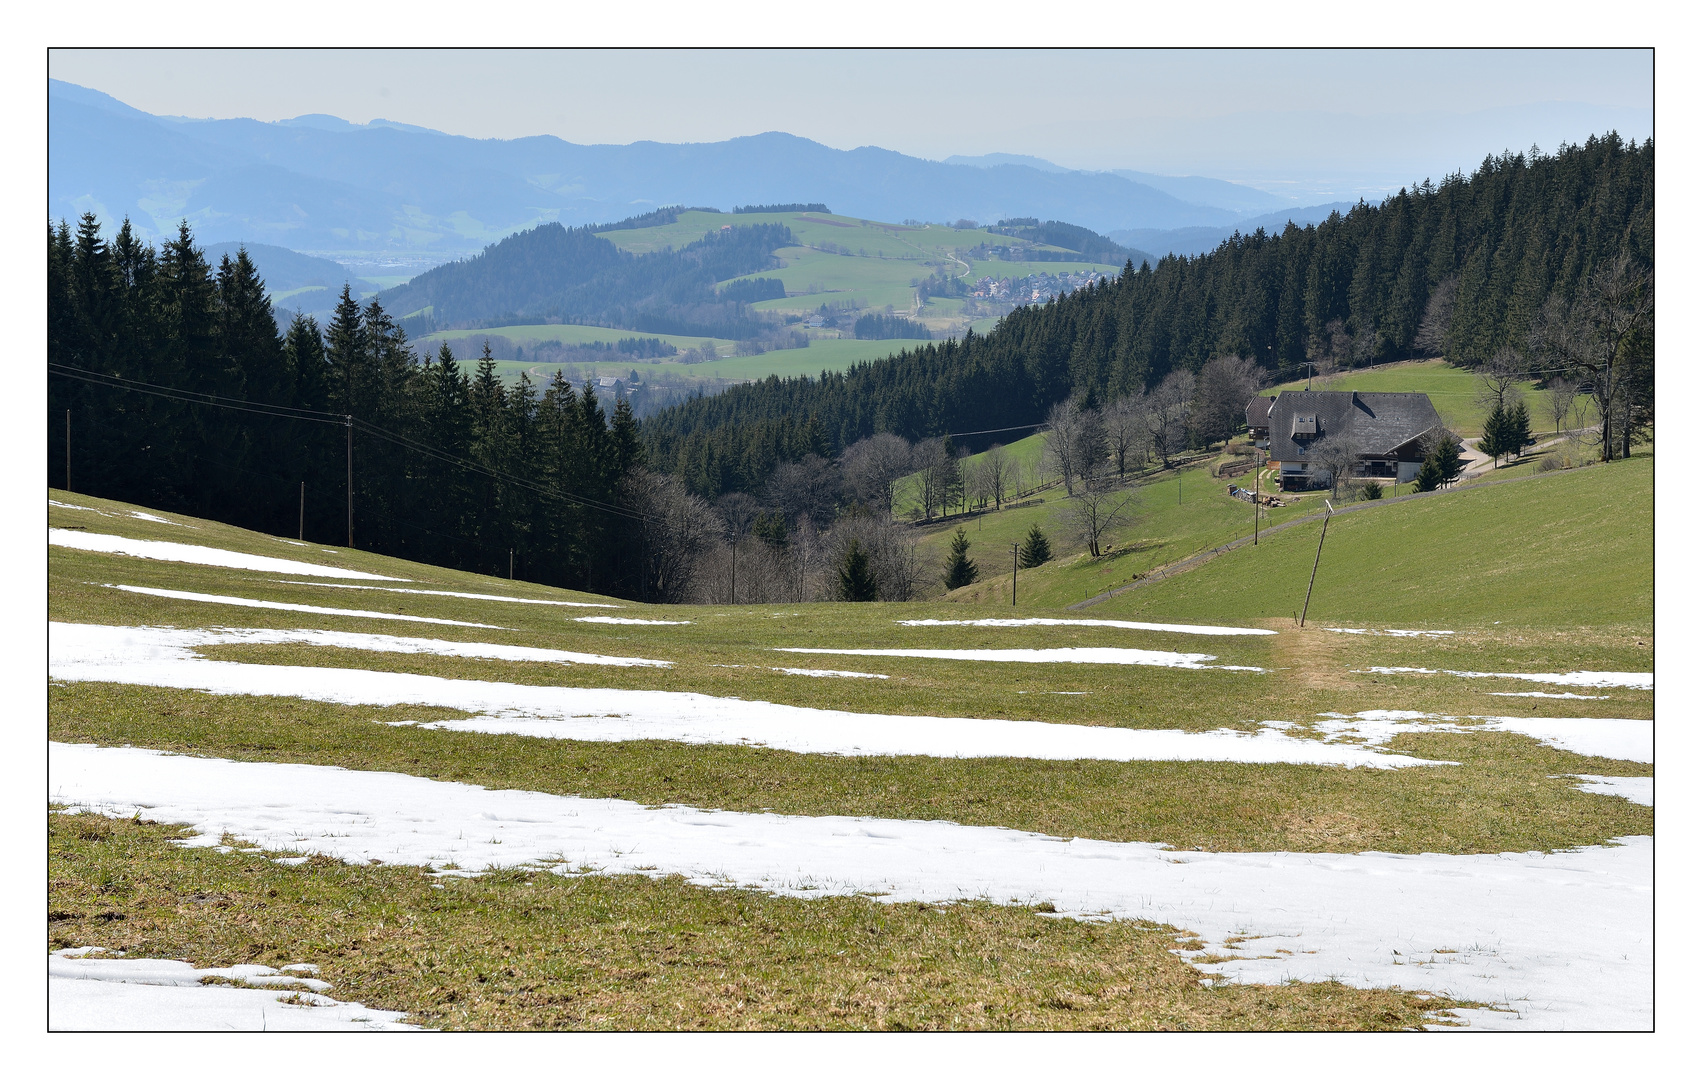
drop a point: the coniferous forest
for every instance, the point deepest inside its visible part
(461, 470)
(167, 319)
(1457, 269)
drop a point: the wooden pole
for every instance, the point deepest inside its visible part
(511, 564)
(1328, 510)
(1013, 575)
(349, 423)
(1256, 468)
(67, 449)
(301, 517)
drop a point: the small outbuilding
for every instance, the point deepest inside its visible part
(1389, 429)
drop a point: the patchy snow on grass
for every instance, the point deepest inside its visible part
(167, 642)
(145, 656)
(457, 595)
(137, 514)
(1544, 693)
(1563, 940)
(170, 551)
(1391, 633)
(1119, 624)
(1637, 789)
(822, 673)
(1633, 680)
(1622, 740)
(305, 609)
(85, 993)
(1145, 657)
(613, 620)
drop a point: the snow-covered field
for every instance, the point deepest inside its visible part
(86, 992)
(1119, 624)
(153, 656)
(615, 620)
(1143, 657)
(199, 555)
(1560, 940)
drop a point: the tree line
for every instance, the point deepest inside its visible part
(1461, 269)
(452, 469)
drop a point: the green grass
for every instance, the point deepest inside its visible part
(519, 950)
(1563, 549)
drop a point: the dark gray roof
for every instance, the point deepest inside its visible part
(1259, 412)
(1381, 422)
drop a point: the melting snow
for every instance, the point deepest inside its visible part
(824, 674)
(1544, 693)
(1391, 633)
(1175, 628)
(1622, 740)
(1147, 657)
(1564, 939)
(170, 551)
(459, 595)
(1638, 789)
(1635, 680)
(306, 609)
(613, 620)
(89, 994)
(145, 656)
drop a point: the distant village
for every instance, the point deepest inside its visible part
(1035, 288)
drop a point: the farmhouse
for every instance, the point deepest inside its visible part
(1259, 417)
(1387, 428)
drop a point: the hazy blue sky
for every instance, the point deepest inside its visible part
(1311, 123)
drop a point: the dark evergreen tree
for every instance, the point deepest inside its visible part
(960, 569)
(1035, 550)
(856, 583)
(1518, 428)
(1497, 433)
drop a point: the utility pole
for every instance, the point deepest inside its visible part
(301, 519)
(733, 591)
(1257, 466)
(349, 423)
(1013, 575)
(67, 449)
(511, 564)
(1328, 510)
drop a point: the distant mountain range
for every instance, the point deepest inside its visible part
(1199, 239)
(296, 282)
(320, 184)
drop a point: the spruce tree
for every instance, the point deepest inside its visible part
(1035, 550)
(1430, 473)
(1518, 428)
(856, 584)
(1495, 433)
(960, 569)
(1448, 457)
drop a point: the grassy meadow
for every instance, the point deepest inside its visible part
(1551, 574)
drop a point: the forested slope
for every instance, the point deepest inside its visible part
(1460, 268)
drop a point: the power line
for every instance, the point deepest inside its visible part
(339, 419)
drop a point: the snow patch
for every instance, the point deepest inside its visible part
(1174, 628)
(458, 595)
(305, 609)
(1622, 740)
(1563, 939)
(144, 656)
(821, 673)
(171, 551)
(1544, 693)
(1637, 789)
(613, 620)
(85, 994)
(1391, 633)
(1634, 680)
(1146, 657)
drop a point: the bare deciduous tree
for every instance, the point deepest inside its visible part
(1334, 456)
(1607, 336)
(1432, 336)
(1166, 411)
(1498, 379)
(808, 488)
(1063, 438)
(1000, 476)
(1093, 512)
(1126, 434)
(678, 528)
(1561, 394)
(874, 466)
(1221, 392)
